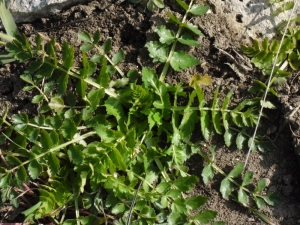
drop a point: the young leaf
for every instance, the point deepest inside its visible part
(158, 51)
(187, 39)
(205, 216)
(107, 46)
(225, 115)
(21, 175)
(242, 197)
(181, 60)
(113, 107)
(68, 129)
(207, 173)
(228, 137)
(45, 140)
(240, 139)
(166, 36)
(34, 169)
(193, 28)
(118, 57)
(75, 154)
(5, 180)
(182, 4)
(117, 209)
(195, 202)
(226, 188)
(185, 184)
(205, 124)
(261, 185)
(57, 104)
(84, 36)
(95, 96)
(216, 115)
(53, 164)
(199, 9)
(237, 170)
(67, 56)
(247, 178)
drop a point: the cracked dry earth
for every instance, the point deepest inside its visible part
(130, 27)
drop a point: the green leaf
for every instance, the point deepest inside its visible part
(53, 164)
(68, 129)
(216, 115)
(96, 37)
(34, 169)
(5, 180)
(193, 28)
(271, 198)
(188, 40)
(205, 216)
(68, 56)
(240, 140)
(228, 137)
(95, 96)
(181, 60)
(242, 197)
(199, 9)
(107, 46)
(225, 115)
(166, 36)
(159, 3)
(158, 51)
(117, 209)
(162, 187)
(21, 118)
(260, 203)
(81, 87)
(176, 218)
(207, 173)
(247, 178)
(113, 107)
(187, 125)
(261, 185)
(237, 170)
(21, 175)
(118, 57)
(178, 206)
(57, 104)
(182, 4)
(45, 140)
(226, 188)
(164, 202)
(174, 194)
(205, 123)
(75, 154)
(195, 202)
(185, 184)
(27, 78)
(86, 47)
(84, 36)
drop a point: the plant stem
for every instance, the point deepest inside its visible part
(167, 64)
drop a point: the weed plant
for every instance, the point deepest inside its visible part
(114, 150)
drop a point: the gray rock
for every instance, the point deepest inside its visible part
(28, 10)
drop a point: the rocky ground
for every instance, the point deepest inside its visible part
(130, 27)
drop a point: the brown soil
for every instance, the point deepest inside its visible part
(130, 26)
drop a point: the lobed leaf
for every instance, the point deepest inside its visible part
(166, 36)
(157, 51)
